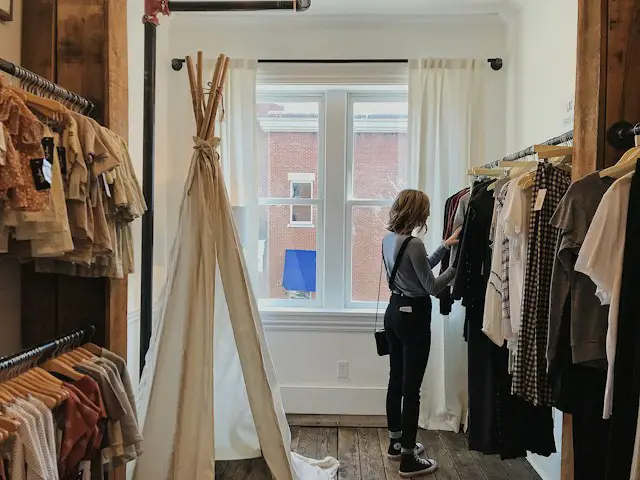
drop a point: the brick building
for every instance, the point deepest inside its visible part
(289, 169)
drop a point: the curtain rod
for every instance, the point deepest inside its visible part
(31, 78)
(495, 63)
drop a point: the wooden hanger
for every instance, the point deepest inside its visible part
(552, 151)
(38, 391)
(9, 424)
(625, 165)
(57, 366)
(486, 172)
(94, 349)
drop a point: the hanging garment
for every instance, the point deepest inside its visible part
(577, 331)
(516, 224)
(450, 226)
(530, 380)
(499, 422)
(495, 324)
(626, 392)
(208, 371)
(601, 258)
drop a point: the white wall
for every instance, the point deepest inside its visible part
(306, 360)
(10, 40)
(543, 40)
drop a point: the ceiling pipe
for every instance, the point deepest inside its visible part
(239, 6)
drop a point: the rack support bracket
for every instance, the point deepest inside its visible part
(153, 8)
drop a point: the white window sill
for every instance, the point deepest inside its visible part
(321, 319)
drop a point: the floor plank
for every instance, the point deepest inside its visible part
(259, 470)
(436, 450)
(371, 465)
(328, 443)
(519, 469)
(237, 470)
(463, 460)
(390, 467)
(220, 469)
(295, 438)
(308, 443)
(363, 456)
(348, 454)
(491, 466)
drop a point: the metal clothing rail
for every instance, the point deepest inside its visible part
(564, 138)
(14, 365)
(31, 79)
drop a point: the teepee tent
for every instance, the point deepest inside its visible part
(208, 390)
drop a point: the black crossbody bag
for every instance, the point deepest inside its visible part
(382, 343)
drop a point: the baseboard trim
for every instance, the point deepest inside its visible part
(318, 400)
(329, 421)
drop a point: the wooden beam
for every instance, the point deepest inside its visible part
(39, 37)
(589, 125)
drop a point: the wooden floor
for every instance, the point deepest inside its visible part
(362, 454)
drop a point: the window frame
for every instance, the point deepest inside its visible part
(308, 178)
(292, 96)
(334, 200)
(352, 201)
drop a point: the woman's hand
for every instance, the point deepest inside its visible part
(453, 239)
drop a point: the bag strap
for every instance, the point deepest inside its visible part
(396, 264)
(392, 278)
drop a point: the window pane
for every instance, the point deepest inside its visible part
(286, 254)
(368, 230)
(380, 153)
(288, 149)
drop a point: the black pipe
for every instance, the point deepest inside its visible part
(148, 155)
(239, 6)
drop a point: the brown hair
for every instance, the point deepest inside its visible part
(409, 211)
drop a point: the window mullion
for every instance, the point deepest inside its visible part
(335, 197)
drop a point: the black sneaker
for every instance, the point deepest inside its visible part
(411, 465)
(395, 450)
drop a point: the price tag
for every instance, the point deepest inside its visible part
(542, 193)
(41, 172)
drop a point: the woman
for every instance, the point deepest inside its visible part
(407, 323)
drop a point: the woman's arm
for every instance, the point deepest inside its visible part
(436, 257)
(422, 266)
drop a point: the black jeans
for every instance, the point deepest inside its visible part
(409, 336)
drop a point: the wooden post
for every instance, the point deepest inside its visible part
(81, 45)
(607, 68)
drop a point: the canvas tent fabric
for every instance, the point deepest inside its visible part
(208, 389)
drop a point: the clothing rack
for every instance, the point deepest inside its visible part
(17, 363)
(564, 138)
(31, 79)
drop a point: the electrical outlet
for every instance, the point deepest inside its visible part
(343, 369)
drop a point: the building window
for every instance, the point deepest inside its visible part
(301, 186)
(331, 162)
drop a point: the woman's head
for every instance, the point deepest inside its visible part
(409, 212)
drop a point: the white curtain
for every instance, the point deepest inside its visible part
(209, 391)
(240, 156)
(446, 138)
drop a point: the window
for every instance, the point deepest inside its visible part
(332, 159)
(301, 186)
